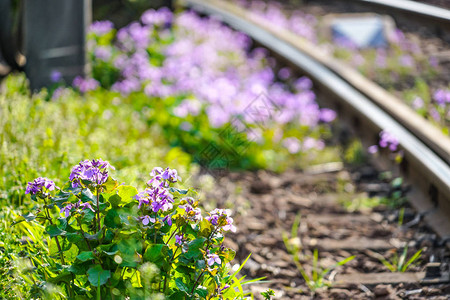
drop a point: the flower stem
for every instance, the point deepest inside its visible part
(56, 238)
(175, 231)
(98, 208)
(168, 272)
(196, 281)
(82, 233)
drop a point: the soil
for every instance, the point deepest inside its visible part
(265, 206)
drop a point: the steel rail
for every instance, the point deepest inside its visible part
(424, 11)
(431, 172)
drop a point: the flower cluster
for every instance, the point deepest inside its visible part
(220, 218)
(40, 185)
(85, 85)
(137, 234)
(94, 171)
(79, 206)
(158, 199)
(212, 258)
(201, 57)
(387, 140)
(101, 27)
(193, 213)
(156, 196)
(163, 177)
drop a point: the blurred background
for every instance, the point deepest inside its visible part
(41, 37)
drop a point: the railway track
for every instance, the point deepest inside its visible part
(368, 109)
(421, 12)
(427, 151)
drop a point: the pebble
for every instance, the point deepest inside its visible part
(340, 294)
(382, 290)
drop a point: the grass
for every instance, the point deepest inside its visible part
(49, 137)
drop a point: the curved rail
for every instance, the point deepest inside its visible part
(423, 11)
(425, 168)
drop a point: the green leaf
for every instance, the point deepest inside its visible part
(79, 268)
(181, 285)
(127, 192)
(229, 255)
(155, 252)
(194, 248)
(112, 219)
(205, 228)
(179, 191)
(53, 230)
(202, 292)
(93, 237)
(86, 196)
(88, 216)
(18, 220)
(115, 200)
(110, 184)
(85, 255)
(415, 257)
(62, 223)
(71, 253)
(73, 237)
(200, 264)
(185, 270)
(97, 276)
(64, 276)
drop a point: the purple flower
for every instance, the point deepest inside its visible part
(213, 259)
(303, 84)
(284, 73)
(417, 103)
(224, 288)
(193, 214)
(85, 205)
(440, 96)
(168, 220)
(101, 27)
(158, 199)
(78, 206)
(179, 239)
(85, 85)
(406, 61)
(161, 17)
(327, 115)
(102, 53)
(220, 218)
(170, 175)
(162, 177)
(147, 219)
(292, 144)
(40, 185)
(95, 171)
(66, 210)
(373, 149)
(55, 76)
(387, 139)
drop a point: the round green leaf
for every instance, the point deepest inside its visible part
(97, 276)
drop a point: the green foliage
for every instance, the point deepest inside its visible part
(354, 153)
(399, 263)
(50, 136)
(267, 294)
(96, 240)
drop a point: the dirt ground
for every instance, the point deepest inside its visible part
(265, 206)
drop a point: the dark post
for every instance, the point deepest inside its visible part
(55, 39)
